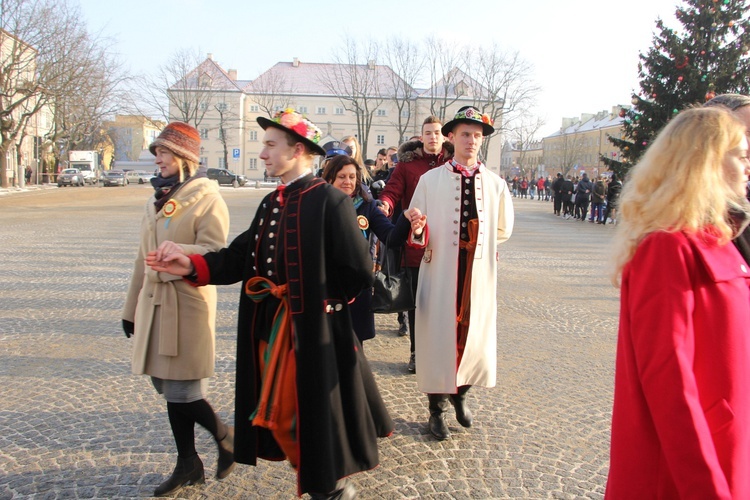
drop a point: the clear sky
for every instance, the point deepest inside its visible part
(584, 52)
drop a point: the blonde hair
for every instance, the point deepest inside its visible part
(187, 167)
(679, 184)
(358, 155)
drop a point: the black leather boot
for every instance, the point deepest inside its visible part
(225, 463)
(187, 471)
(463, 413)
(438, 407)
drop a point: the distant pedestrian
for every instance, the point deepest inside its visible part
(613, 198)
(568, 194)
(28, 174)
(557, 194)
(598, 200)
(583, 196)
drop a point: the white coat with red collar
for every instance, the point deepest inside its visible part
(438, 197)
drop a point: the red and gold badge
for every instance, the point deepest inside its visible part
(170, 208)
(363, 223)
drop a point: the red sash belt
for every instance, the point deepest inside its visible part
(275, 356)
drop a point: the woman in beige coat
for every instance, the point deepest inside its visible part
(173, 322)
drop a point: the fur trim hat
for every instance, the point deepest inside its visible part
(181, 139)
(470, 114)
(296, 125)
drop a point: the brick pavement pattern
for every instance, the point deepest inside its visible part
(74, 423)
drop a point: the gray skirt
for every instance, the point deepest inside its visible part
(181, 391)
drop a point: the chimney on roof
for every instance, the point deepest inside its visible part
(232, 74)
(371, 64)
(295, 62)
(209, 56)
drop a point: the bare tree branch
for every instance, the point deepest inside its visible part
(406, 64)
(355, 81)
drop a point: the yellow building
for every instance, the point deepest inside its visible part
(523, 160)
(130, 135)
(578, 145)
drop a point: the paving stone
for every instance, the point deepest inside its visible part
(76, 424)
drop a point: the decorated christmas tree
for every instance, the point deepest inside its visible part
(708, 56)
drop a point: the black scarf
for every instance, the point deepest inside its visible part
(166, 187)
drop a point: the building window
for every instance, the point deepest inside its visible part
(254, 108)
(222, 106)
(203, 106)
(221, 134)
(253, 164)
(222, 163)
(339, 111)
(204, 133)
(254, 135)
(204, 161)
(405, 113)
(321, 110)
(380, 140)
(381, 112)
(302, 109)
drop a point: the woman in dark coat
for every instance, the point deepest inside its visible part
(346, 175)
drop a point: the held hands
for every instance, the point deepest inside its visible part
(385, 207)
(417, 219)
(169, 258)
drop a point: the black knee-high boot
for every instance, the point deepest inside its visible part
(200, 411)
(463, 414)
(438, 407)
(189, 468)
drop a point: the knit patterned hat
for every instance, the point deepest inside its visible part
(181, 139)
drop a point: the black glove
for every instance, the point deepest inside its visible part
(128, 327)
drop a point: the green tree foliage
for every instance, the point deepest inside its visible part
(706, 57)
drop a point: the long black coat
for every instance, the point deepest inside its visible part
(340, 412)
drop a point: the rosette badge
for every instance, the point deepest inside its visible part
(169, 210)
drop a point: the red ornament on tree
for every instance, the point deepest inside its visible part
(682, 62)
(710, 95)
(622, 113)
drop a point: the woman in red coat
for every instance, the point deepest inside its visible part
(681, 416)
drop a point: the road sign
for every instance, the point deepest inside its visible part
(236, 153)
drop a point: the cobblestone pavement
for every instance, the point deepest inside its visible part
(74, 423)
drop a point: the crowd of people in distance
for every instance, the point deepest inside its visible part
(572, 196)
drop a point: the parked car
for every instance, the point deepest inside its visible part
(70, 177)
(145, 177)
(121, 178)
(226, 177)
